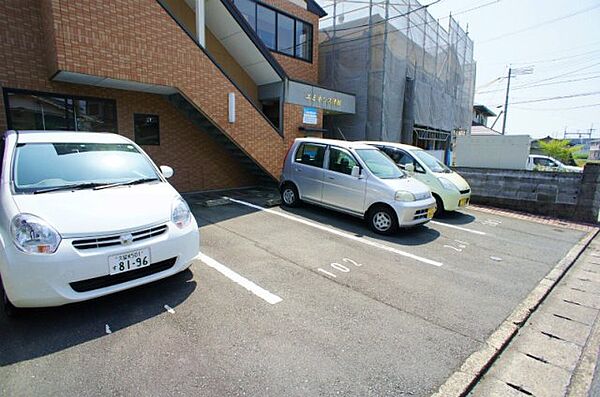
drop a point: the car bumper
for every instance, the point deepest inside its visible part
(49, 280)
(456, 201)
(413, 213)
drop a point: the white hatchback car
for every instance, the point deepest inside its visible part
(84, 215)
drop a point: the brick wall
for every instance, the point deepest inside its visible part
(199, 162)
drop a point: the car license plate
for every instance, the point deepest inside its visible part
(128, 261)
(463, 202)
(430, 213)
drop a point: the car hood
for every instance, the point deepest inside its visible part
(410, 184)
(456, 179)
(90, 212)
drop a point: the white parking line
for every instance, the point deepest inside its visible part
(244, 282)
(341, 234)
(464, 229)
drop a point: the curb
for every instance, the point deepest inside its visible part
(462, 381)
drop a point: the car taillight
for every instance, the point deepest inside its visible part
(286, 155)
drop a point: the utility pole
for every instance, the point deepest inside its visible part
(506, 101)
(513, 72)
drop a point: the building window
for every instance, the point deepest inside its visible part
(248, 10)
(265, 26)
(303, 40)
(146, 128)
(28, 110)
(285, 34)
(278, 31)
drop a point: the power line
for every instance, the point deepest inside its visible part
(557, 109)
(543, 84)
(557, 98)
(541, 24)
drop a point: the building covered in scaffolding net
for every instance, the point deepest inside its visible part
(414, 79)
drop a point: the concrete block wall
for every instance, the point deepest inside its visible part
(564, 195)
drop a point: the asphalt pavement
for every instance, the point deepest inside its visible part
(292, 302)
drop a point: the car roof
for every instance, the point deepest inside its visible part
(33, 136)
(392, 144)
(336, 142)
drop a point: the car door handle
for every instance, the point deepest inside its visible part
(331, 177)
(298, 169)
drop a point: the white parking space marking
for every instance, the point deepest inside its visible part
(349, 236)
(107, 329)
(464, 229)
(169, 309)
(244, 282)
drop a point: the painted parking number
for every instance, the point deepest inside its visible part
(340, 267)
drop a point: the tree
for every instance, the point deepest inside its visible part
(559, 149)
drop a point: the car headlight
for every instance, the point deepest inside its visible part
(32, 235)
(180, 213)
(403, 195)
(447, 184)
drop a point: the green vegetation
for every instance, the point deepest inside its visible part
(559, 149)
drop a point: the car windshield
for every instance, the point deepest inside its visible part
(40, 167)
(431, 162)
(380, 164)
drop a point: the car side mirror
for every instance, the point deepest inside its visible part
(355, 171)
(410, 168)
(166, 171)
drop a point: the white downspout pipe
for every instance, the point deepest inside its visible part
(200, 26)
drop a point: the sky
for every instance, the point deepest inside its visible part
(560, 39)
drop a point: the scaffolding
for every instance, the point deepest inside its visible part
(408, 72)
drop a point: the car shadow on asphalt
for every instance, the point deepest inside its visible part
(455, 218)
(417, 235)
(39, 332)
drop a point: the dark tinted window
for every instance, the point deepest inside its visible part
(303, 40)
(311, 154)
(285, 34)
(146, 129)
(248, 10)
(43, 111)
(1, 153)
(341, 161)
(265, 26)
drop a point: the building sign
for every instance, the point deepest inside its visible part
(312, 96)
(310, 116)
(323, 100)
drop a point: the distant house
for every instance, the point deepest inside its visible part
(481, 114)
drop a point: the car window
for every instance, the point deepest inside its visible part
(402, 158)
(53, 165)
(544, 162)
(310, 154)
(380, 164)
(2, 139)
(341, 161)
(433, 163)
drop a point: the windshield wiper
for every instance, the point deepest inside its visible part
(75, 186)
(126, 183)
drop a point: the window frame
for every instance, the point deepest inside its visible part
(301, 146)
(135, 134)
(277, 11)
(7, 91)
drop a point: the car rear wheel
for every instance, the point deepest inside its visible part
(289, 195)
(440, 206)
(383, 220)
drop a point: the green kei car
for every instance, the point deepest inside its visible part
(450, 190)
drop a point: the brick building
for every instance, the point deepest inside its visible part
(217, 89)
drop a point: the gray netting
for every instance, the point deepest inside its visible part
(369, 48)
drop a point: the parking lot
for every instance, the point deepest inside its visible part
(292, 302)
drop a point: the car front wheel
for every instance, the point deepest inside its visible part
(9, 309)
(383, 220)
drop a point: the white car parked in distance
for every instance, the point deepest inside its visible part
(84, 215)
(357, 179)
(547, 163)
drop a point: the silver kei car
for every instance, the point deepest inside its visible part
(357, 179)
